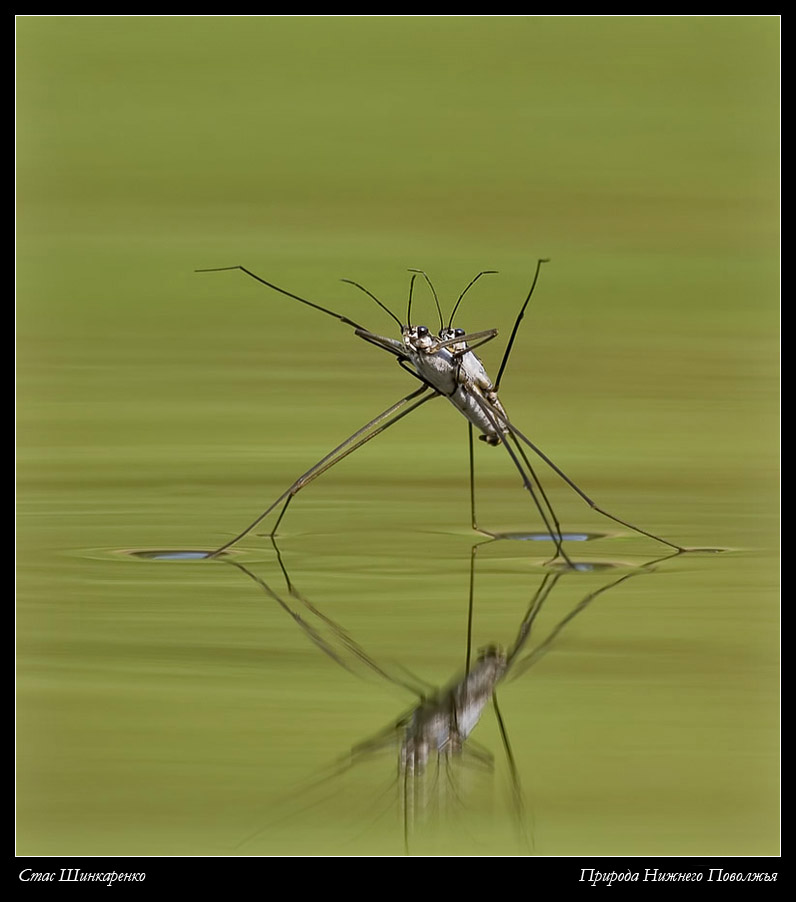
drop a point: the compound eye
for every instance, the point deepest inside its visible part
(422, 331)
(459, 332)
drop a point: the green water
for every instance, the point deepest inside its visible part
(170, 708)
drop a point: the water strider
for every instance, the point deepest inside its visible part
(446, 366)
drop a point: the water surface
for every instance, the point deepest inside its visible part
(171, 707)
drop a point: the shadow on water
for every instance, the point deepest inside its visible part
(173, 555)
(431, 743)
(543, 536)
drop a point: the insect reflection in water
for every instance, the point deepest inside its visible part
(434, 751)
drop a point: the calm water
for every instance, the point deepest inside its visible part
(251, 705)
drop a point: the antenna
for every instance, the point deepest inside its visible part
(436, 299)
(486, 272)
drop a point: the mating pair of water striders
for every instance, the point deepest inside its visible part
(446, 366)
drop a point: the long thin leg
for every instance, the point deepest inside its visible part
(310, 631)
(535, 606)
(472, 479)
(517, 322)
(326, 310)
(514, 773)
(281, 514)
(592, 504)
(556, 534)
(369, 431)
(538, 482)
(470, 611)
(535, 478)
(533, 656)
(528, 482)
(349, 645)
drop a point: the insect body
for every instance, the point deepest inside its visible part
(475, 395)
(448, 365)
